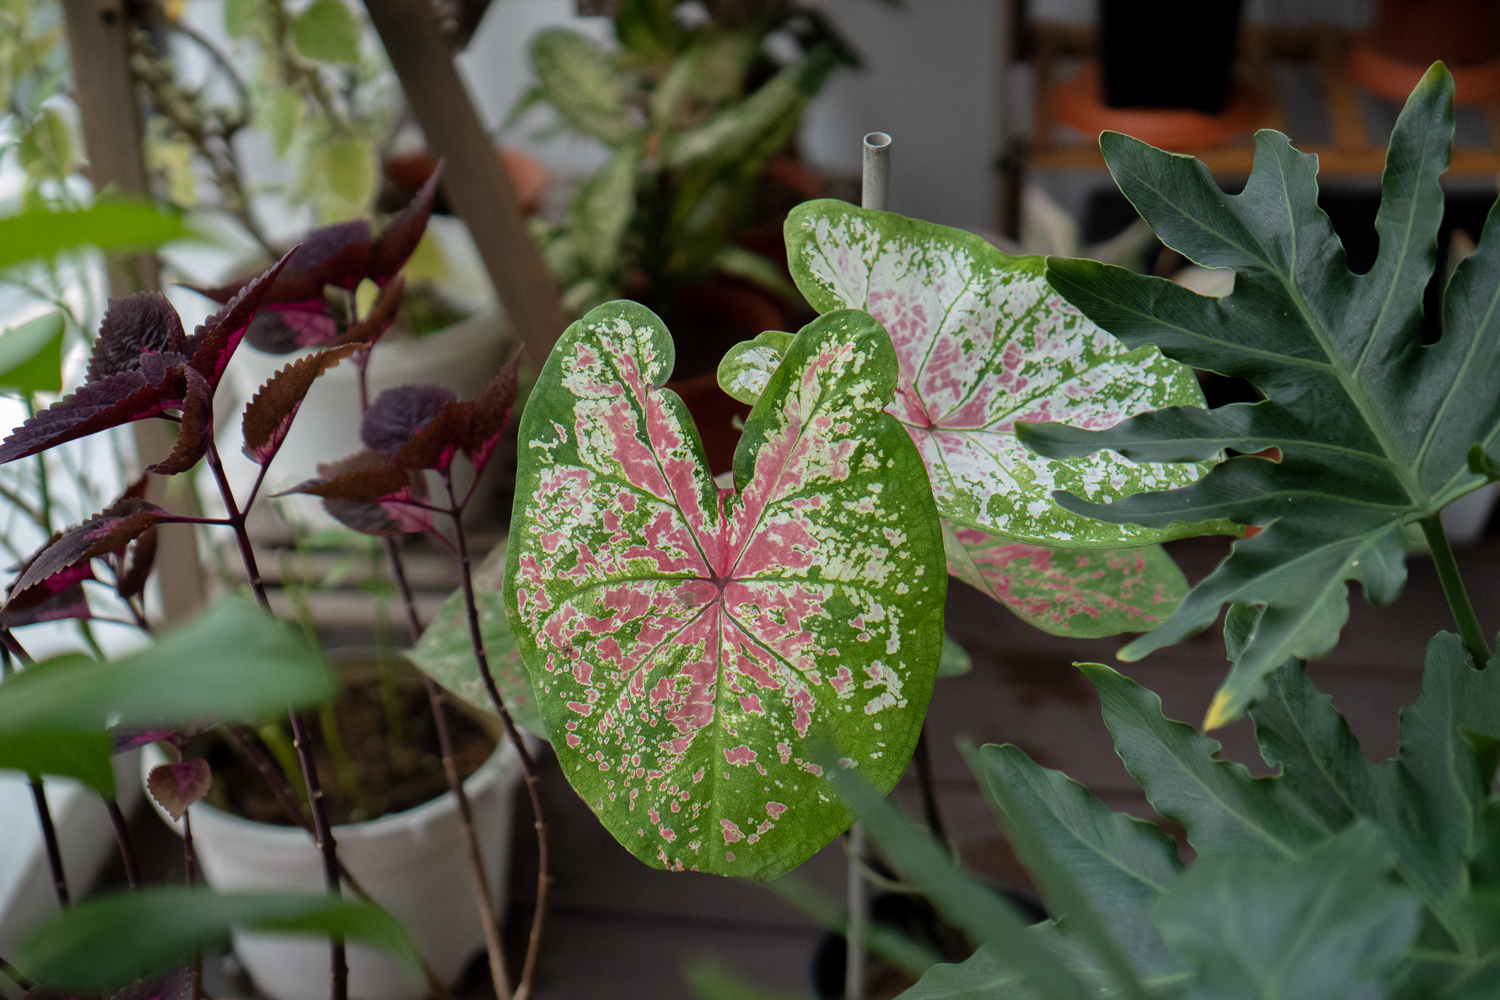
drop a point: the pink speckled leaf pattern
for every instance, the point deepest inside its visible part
(984, 342)
(1087, 593)
(689, 645)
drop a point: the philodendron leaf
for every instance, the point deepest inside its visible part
(983, 343)
(446, 653)
(1078, 592)
(1370, 428)
(1122, 864)
(687, 642)
(109, 941)
(578, 79)
(1323, 926)
(1224, 809)
(31, 355)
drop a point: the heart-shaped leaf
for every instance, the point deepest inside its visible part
(984, 342)
(747, 367)
(446, 652)
(268, 417)
(1370, 428)
(177, 787)
(687, 643)
(1079, 592)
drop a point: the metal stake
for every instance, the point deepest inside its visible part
(875, 186)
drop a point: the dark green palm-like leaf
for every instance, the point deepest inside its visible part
(1371, 428)
(1324, 926)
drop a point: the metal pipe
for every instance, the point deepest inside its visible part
(875, 186)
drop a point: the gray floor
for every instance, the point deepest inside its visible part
(619, 929)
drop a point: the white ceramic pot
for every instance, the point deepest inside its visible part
(464, 357)
(413, 863)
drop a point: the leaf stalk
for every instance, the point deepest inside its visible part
(1454, 590)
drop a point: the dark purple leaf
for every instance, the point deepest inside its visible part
(473, 427)
(399, 239)
(398, 414)
(282, 329)
(142, 556)
(100, 534)
(97, 406)
(372, 325)
(367, 493)
(269, 416)
(175, 985)
(334, 255)
(122, 738)
(213, 343)
(177, 787)
(491, 411)
(55, 598)
(194, 430)
(135, 325)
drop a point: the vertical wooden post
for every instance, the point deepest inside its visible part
(98, 47)
(473, 177)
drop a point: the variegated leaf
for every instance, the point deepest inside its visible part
(688, 643)
(747, 367)
(984, 342)
(446, 652)
(1079, 592)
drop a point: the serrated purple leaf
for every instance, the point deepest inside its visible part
(194, 430)
(213, 343)
(399, 239)
(104, 532)
(97, 406)
(398, 414)
(282, 329)
(134, 325)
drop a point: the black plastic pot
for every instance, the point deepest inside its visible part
(1168, 53)
(913, 917)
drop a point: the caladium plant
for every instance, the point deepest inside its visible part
(1363, 430)
(689, 643)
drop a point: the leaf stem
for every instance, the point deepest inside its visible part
(1453, 589)
(38, 790)
(15, 975)
(493, 946)
(127, 846)
(301, 741)
(190, 864)
(528, 763)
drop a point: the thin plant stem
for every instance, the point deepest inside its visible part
(856, 959)
(15, 975)
(127, 846)
(493, 945)
(39, 790)
(190, 865)
(528, 763)
(923, 761)
(301, 741)
(1454, 591)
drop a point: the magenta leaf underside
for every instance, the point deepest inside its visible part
(689, 646)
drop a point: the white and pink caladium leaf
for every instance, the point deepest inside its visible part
(983, 342)
(689, 644)
(1086, 593)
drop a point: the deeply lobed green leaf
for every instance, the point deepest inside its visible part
(1370, 428)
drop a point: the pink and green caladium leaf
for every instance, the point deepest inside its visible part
(984, 342)
(1086, 593)
(690, 644)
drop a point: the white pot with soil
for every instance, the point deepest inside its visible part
(413, 862)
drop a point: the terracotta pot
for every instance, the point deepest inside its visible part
(1408, 36)
(406, 172)
(1078, 102)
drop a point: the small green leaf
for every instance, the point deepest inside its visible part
(233, 661)
(577, 78)
(31, 355)
(84, 756)
(112, 225)
(742, 129)
(602, 211)
(327, 31)
(711, 980)
(283, 113)
(1122, 865)
(1078, 592)
(1323, 926)
(349, 167)
(956, 660)
(107, 942)
(1224, 809)
(47, 148)
(239, 15)
(446, 653)
(748, 366)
